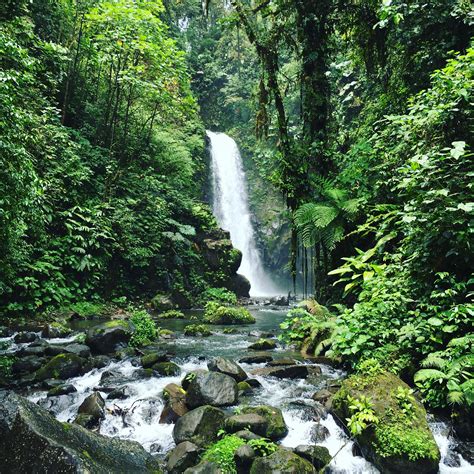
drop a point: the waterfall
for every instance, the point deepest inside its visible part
(230, 206)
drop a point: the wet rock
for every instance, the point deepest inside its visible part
(200, 426)
(204, 467)
(117, 394)
(110, 375)
(255, 423)
(281, 362)
(31, 350)
(55, 330)
(211, 388)
(25, 336)
(162, 302)
(288, 372)
(279, 301)
(106, 338)
(244, 388)
(197, 330)
(32, 440)
(263, 345)
(256, 359)
(466, 450)
(63, 389)
(240, 285)
(190, 376)
(276, 428)
(243, 457)
(100, 361)
(184, 455)
(318, 433)
(6, 332)
(254, 383)
(283, 461)
(322, 396)
(62, 366)
(247, 435)
(153, 358)
(91, 411)
(166, 369)
(27, 364)
(318, 456)
(175, 406)
(227, 367)
(75, 348)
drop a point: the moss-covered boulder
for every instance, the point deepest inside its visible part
(282, 460)
(197, 330)
(227, 367)
(162, 302)
(152, 358)
(220, 314)
(55, 329)
(211, 388)
(62, 366)
(401, 440)
(166, 369)
(171, 314)
(108, 337)
(318, 456)
(263, 345)
(32, 440)
(199, 426)
(276, 428)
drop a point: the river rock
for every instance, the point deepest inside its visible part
(288, 372)
(276, 428)
(184, 455)
(211, 388)
(243, 457)
(27, 364)
(75, 348)
(162, 302)
(227, 367)
(175, 405)
(55, 330)
(318, 433)
(32, 350)
(247, 435)
(118, 394)
(190, 376)
(240, 285)
(63, 389)
(318, 456)
(62, 366)
(204, 467)
(107, 337)
(255, 423)
(256, 359)
(322, 396)
(389, 447)
(91, 411)
(32, 440)
(166, 369)
(282, 461)
(200, 426)
(148, 360)
(263, 345)
(281, 362)
(25, 336)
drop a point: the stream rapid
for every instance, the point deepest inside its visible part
(137, 416)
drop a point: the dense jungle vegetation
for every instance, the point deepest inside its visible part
(357, 114)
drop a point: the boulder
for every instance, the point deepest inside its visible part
(25, 336)
(281, 362)
(32, 350)
(401, 440)
(276, 428)
(55, 330)
(247, 435)
(166, 369)
(244, 388)
(200, 426)
(153, 358)
(197, 330)
(184, 455)
(175, 406)
(190, 376)
(288, 372)
(240, 285)
(318, 456)
(227, 367)
(32, 440)
(217, 313)
(62, 366)
(162, 302)
(256, 359)
(204, 467)
(263, 345)
(211, 388)
(117, 394)
(108, 337)
(27, 364)
(75, 348)
(91, 411)
(322, 396)
(243, 457)
(63, 389)
(251, 421)
(282, 461)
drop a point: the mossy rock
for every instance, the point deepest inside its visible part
(263, 345)
(166, 369)
(62, 366)
(171, 314)
(400, 441)
(276, 427)
(162, 302)
(244, 388)
(283, 461)
(197, 330)
(219, 314)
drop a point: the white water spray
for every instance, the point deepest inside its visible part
(230, 206)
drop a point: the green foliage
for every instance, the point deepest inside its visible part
(215, 313)
(220, 295)
(362, 415)
(6, 363)
(222, 453)
(146, 330)
(262, 446)
(171, 314)
(197, 330)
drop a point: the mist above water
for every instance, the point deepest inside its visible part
(230, 206)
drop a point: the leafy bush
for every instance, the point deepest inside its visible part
(222, 453)
(220, 295)
(215, 313)
(197, 330)
(6, 363)
(146, 330)
(171, 314)
(263, 447)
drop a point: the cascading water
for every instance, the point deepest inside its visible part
(230, 206)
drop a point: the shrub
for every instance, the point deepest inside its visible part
(172, 314)
(222, 453)
(221, 295)
(218, 314)
(146, 330)
(197, 330)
